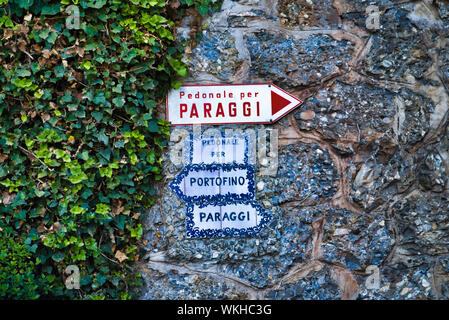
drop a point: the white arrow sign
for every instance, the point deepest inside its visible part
(226, 104)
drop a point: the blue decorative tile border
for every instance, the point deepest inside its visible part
(193, 231)
(227, 215)
(175, 185)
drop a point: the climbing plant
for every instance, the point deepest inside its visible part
(80, 140)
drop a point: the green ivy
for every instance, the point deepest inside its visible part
(17, 272)
(80, 146)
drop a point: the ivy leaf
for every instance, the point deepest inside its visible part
(97, 115)
(117, 89)
(119, 101)
(203, 10)
(149, 84)
(23, 73)
(119, 144)
(39, 93)
(33, 248)
(77, 178)
(105, 153)
(97, 4)
(59, 71)
(77, 210)
(176, 84)
(58, 256)
(178, 66)
(67, 96)
(137, 232)
(86, 194)
(23, 83)
(100, 98)
(102, 137)
(131, 55)
(86, 65)
(90, 30)
(25, 4)
(120, 221)
(133, 159)
(106, 172)
(59, 153)
(52, 38)
(39, 193)
(103, 208)
(6, 21)
(49, 135)
(153, 126)
(50, 10)
(91, 46)
(151, 157)
(3, 171)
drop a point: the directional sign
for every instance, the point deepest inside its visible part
(214, 182)
(221, 147)
(225, 104)
(217, 185)
(228, 219)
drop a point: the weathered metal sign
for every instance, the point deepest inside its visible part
(226, 104)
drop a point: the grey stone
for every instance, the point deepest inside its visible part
(290, 62)
(362, 179)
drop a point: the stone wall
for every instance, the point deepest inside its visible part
(363, 163)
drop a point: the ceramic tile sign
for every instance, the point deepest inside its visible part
(221, 147)
(214, 182)
(228, 219)
(226, 104)
(219, 191)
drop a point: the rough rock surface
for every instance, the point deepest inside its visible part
(362, 179)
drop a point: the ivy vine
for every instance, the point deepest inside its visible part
(80, 143)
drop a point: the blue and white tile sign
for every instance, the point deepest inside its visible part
(226, 219)
(219, 147)
(214, 182)
(218, 185)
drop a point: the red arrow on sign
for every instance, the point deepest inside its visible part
(278, 102)
(227, 104)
